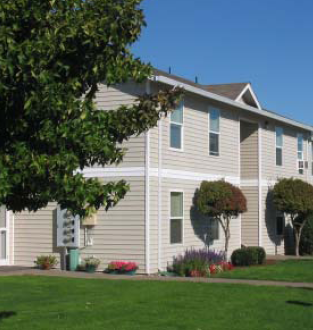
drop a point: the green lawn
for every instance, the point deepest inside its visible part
(289, 270)
(45, 303)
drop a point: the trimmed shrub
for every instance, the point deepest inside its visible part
(248, 256)
(306, 243)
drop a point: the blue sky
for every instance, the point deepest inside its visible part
(266, 42)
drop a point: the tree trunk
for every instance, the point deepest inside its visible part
(297, 234)
(227, 238)
(297, 241)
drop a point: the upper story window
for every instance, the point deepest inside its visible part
(279, 146)
(176, 127)
(300, 154)
(176, 217)
(214, 131)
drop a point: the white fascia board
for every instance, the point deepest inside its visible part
(255, 99)
(225, 100)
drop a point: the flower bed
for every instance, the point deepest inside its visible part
(200, 263)
(122, 267)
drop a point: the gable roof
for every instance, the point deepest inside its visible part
(232, 91)
(202, 90)
(241, 92)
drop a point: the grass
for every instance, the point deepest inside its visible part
(289, 270)
(47, 303)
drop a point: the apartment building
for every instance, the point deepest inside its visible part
(217, 132)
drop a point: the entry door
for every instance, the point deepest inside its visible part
(3, 237)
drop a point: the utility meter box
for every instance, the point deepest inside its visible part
(90, 221)
(67, 229)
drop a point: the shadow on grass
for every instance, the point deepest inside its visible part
(299, 303)
(6, 315)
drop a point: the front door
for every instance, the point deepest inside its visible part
(3, 237)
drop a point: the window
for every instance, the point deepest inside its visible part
(280, 224)
(176, 127)
(300, 154)
(176, 220)
(214, 232)
(214, 131)
(279, 146)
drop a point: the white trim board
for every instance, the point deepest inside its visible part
(156, 172)
(172, 174)
(255, 99)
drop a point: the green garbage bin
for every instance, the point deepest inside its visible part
(74, 259)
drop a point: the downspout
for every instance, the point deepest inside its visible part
(260, 183)
(147, 192)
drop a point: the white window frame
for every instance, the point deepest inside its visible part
(176, 218)
(181, 149)
(311, 158)
(5, 229)
(214, 132)
(299, 160)
(279, 147)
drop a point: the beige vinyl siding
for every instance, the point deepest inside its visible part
(249, 150)
(35, 234)
(118, 235)
(289, 168)
(249, 219)
(195, 226)
(195, 155)
(110, 98)
(272, 243)
(120, 232)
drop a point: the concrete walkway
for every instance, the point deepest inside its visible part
(18, 271)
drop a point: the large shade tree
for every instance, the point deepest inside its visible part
(294, 197)
(222, 201)
(53, 55)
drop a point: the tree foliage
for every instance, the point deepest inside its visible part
(222, 201)
(295, 198)
(53, 55)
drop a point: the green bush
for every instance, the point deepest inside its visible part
(306, 243)
(248, 256)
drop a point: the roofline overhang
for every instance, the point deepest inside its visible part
(225, 100)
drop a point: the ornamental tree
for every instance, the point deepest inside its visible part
(222, 201)
(294, 197)
(53, 55)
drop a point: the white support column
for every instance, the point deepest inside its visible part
(260, 183)
(160, 140)
(147, 192)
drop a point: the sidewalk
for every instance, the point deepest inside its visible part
(18, 271)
